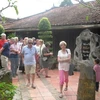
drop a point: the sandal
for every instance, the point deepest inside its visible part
(38, 75)
(66, 88)
(61, 95)
(47, 76)
(34, 87)
(27, 84)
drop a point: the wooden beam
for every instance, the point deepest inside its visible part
(58, 27)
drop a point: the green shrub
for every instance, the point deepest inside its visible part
(45, 32)
(7, 91)
(2, 29)
(11, 35)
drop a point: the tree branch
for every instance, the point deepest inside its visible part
(9, 5)
(89, 5)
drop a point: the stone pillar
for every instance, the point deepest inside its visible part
(86, 86)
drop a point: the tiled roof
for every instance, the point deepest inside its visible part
(7, 20)
(59, 16)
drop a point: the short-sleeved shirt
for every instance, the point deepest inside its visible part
(63, 65)
(97, 70)
(29, 55)
(14, 47)
(2, 42)
(6, 50)
(37, 48)
(41, 49)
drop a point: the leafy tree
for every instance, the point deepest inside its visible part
(66, 3)
(2, 29)
(11, 3)
(45, 32)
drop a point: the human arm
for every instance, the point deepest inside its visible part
(60, 59)
(1, 50)
(13, 49)
(46, 52)
(4, 46)
(63, 58)
(22, 54)
(95, 68)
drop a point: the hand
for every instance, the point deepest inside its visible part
(17, 52)
(51, 53)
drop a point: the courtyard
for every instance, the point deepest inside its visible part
(47, 88)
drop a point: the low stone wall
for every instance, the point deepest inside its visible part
(5, 76)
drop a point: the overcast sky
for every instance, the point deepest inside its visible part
(29, 7)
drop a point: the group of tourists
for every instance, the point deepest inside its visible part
(32, 56)
(26, 55)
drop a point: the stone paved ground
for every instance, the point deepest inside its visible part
(47, 88)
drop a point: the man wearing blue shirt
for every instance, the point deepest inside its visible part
(4, 51)
(29, 53)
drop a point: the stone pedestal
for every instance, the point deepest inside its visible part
(5, 76)
(86, 87)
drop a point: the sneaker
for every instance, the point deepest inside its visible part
(47, 76)
(60, 95)
(16, 74)
(34, 87)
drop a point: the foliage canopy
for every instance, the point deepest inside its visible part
(7, 91)
(45, 32)
(11, 3)
(66, 3)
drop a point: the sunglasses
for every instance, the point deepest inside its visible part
(30, 43)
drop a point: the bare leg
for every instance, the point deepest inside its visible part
(61, 87)
(61, 77)
(66, 84)
(46, 71)
(42, 70)
(33, 78)
(66, 80)
(37, 70)
(28, 77)
(61, 94)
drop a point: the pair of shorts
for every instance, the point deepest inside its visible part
(30, 69)
(4, 61)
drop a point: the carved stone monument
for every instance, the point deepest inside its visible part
(87, 49)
